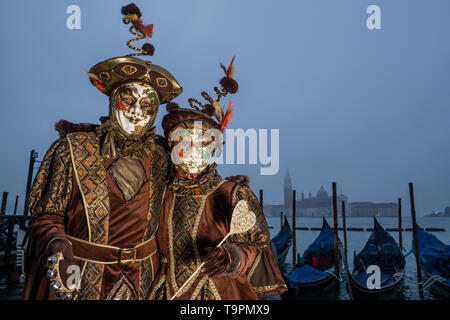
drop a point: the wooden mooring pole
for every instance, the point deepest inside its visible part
(281, 220)
(15, 205)
(4, 202)
(335, 225)
(344, 226)
(400, 240)
(416, 244)
(337, 270)
(294, 237)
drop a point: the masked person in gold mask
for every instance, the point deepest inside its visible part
(197, 211)
(97, 195)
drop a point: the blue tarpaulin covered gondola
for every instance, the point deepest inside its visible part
(435, 261)
(314, 277)
(282, 242)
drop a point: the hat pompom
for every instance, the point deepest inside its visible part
(131, 9)
(149, 48)
(229, 84)
(171, 106)
(209, 109)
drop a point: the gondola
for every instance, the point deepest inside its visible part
(382, 251)
(435, 262)
(314, 277)
(282, 242)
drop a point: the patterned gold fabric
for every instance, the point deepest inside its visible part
(123, 290)
(187, 209)
(52, 186)
(91, 179)
(91, 176)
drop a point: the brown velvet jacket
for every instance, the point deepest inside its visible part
(100, 216)
(196, 214)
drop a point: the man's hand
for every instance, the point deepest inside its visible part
(55, 247)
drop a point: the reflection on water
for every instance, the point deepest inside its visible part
(356, 241)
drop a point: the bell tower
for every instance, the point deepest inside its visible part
(287, 190)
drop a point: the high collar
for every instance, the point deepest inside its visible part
(116, 144)
(200, 185)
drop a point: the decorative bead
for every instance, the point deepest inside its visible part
(51, 260)
(55, 285)
(68, 296)
(51, 273)
(60, 294)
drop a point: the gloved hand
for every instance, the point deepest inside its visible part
(241, 179)
(58, 246)
(222, 261)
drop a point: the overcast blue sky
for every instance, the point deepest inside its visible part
(369, 109)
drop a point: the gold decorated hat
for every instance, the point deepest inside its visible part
(110, 74)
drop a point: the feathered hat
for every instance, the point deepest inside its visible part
(211, 113)
(110, 74)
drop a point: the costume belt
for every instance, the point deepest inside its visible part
(105, 254)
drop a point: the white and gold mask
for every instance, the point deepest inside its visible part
(193, 146)
(134, 106)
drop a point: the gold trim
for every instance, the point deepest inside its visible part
(198, 287)
(169, 226)
(214, 289)
(86, 209)
(158, 285)
(268, 288)
(86, 212)
(254, 265)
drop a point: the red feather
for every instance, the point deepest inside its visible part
(227, 116)
(145, 29)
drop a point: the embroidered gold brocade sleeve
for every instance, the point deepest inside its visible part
(52, 186)
(258, 236)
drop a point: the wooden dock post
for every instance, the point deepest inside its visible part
(400, 240)
(294, 237)
(15, 205)
(416, 244)
(4, 202)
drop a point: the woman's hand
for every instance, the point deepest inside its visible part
(222, 261)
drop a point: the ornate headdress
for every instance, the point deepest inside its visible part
(109, 74)
(211, 112)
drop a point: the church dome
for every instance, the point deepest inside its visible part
(322, 193)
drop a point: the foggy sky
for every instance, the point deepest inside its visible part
(369, 109)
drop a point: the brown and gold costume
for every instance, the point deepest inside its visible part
(196, 214)
(79, 196)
